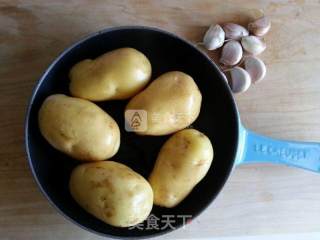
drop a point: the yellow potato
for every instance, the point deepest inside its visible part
(172, 102)
(182, 163)
(112, 192)
(78, 128)
(118, 74)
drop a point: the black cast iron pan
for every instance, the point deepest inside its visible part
(218, 119)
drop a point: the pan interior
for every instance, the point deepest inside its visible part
(218, 120)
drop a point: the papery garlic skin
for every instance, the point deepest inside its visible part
(234, 31)
(253, 45)
(231, 53)
(256, 68)
(214, 37)
(260, 27)
(240, 80)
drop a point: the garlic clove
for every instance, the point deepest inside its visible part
(214, 37)
(253, 45)
(240, 80)
(260, 27)
(231, 53)
(256, 68)
(234, 31)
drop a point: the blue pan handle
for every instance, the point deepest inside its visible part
(255, 148)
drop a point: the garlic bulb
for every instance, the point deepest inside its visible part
(255, 67)
(234, 31)
(214, 37)
(231, 53)
(260, 27)
(240, 80)
(253, 45)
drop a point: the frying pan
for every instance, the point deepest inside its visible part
(219, 120)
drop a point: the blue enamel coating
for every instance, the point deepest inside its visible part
(254, 148)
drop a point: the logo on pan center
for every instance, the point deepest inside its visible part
(136, 120)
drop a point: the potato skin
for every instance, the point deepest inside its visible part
(182, 163)
(118, 74)
(172, 102)
(112, 192)
(78, 128)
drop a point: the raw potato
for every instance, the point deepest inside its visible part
(119, 74)
(112, 192)
(182, 163)
(78, 128)
(172, 102)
